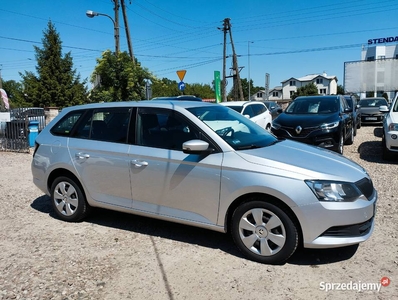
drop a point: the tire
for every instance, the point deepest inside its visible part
(68, 200)
(359, 124)
(268, 127)
(263, 232)
(386, 154)
(350, 140)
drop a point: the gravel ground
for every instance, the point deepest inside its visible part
(119, 256)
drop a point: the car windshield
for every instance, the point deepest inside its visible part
(237, 108)
(376, 102)
(238, 131)
(313, 105)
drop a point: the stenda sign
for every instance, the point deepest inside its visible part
(390, 39)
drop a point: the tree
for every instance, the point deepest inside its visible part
(306, 90)
(120, 78)
(56, 83)
(340, 90)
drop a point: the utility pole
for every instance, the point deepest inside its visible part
(126, 25)
(116, 26)
(237, 85)
(224, 76)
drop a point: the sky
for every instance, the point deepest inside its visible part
(281, 38)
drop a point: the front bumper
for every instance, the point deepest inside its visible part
(316, 137)
(391, 138)
(372, 119)
(338, 224)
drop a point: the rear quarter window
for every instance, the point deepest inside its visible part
(64, 126)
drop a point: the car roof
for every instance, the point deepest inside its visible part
(181, 98)
(161, 103)
(239, 103)
(329, 97)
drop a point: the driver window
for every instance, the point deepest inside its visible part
(163, 129)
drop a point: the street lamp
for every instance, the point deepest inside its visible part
(92, 14)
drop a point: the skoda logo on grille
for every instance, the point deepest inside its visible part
(298, 129)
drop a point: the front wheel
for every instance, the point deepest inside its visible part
(350, 140)
(263, 232)
(68, 200)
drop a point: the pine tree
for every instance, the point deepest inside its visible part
(56, 83)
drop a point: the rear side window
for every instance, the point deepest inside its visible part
(107, 124)
(258, 109)
(64, 126)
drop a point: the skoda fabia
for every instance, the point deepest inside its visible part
(204, 165)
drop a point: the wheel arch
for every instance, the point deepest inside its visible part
(66, 173)
(266, 198)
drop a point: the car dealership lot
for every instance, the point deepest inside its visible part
(118, 256)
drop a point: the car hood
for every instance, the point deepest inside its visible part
(305, 120)
(294, 159)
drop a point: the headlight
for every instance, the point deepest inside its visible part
(329, 126)
(393, 127)
(334, 191)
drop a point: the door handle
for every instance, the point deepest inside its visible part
(81, 155)
(139, 163)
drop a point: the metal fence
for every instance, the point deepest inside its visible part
(15, 126)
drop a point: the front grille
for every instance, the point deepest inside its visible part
(349, 230)
(304, 132)
(365, 185)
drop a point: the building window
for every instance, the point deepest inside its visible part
(396, 56)
(291, 93)
(292, 83)
(259, 95)
(381, 57)
(370, 58)
(322, 91)
(319, 81)
(275, 94)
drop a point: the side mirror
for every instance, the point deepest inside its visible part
(247, 116)
(196, 147)
(384, 109)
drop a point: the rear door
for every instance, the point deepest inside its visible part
(100, 154)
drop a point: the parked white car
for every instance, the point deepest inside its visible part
(254, 110)
(390, 130)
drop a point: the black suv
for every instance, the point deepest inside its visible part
(325, 121)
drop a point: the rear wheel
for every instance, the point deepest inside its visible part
(68, 200)
(263, 232)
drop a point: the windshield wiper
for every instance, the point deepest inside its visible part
(249, 147)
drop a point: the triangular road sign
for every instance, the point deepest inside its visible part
(181, 74)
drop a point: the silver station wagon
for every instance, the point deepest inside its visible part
(204, 165)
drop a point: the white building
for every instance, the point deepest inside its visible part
(384, 69)
(326, 85)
